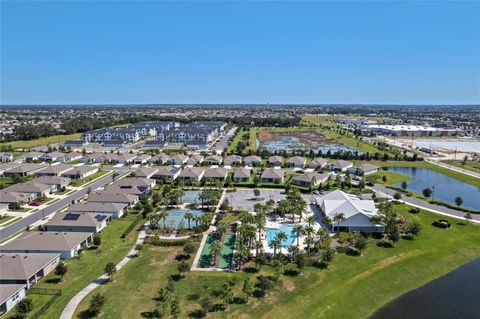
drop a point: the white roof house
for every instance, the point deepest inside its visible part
(357, 212)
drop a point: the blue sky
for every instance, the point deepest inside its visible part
(240, 52)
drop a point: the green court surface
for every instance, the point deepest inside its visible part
(227, 251)
(206, 257)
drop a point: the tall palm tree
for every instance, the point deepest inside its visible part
(310, 220)
(298, 230)
(283, 207)
(216, 249)
(163, 214)
(275, 244)
(327, 221)
(221, 229)
(189, 216)
(339, 218)
(280, 237)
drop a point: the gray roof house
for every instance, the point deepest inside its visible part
(275, 160)
(317, 163)
(79, 172)
(31, 187)
(24, 169)
(144, 172)
(7, 166)
(232, 160)
(53, 170)
(67, 244)
(363, 169)
(191, 174)
(213, 160)
(52, 157)
(154, 144)
(216, 174)
(310, 179)
(28, 157)
(114, 209)
(339, 166)
(178, 159)
(195, 159)
(132, 185)
(78, 222)
(296, 161)
(124, 158)
(75, 144)
(58, 181)
(169, 173)
(26, 269)
(104, 196)
(275, 176)
(10, 296)
(252, 160)
(6, 157)
(242, 175)
(142, 159)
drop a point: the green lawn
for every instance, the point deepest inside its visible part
(5, 181)
(471, 166)
(236, 139)
(352, 287)
(39, 141)
(90, 265)
(392, 178)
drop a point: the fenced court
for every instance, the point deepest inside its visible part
(191, 197)
(176, 218)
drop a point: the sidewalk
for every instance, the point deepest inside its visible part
(72, 305)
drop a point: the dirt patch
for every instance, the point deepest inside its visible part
(289, 285)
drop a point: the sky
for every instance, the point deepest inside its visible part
(316, 52)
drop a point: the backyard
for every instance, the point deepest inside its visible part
(352, 287)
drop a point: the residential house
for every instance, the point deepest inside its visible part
(26, 269)
(144, 172)
(57, 181)
(28, 157)
(138, 186)
(252, 160)
(10, 296)
(195, 159)
(363, 169)
(310, 179)
(154, 144)
(339, 166)
(142, 159)
(296, 161)
(317, 163)
(178, 159)
(168, 174)
(232, 160)
(105, 196)
(53, 170)
(242, 175)
(6, 157)
(7, 166)
(217, 174)
(357, 212)
(79, 172)
(124, 158)
(75, 144)
(213, 160)
(24, 170)
(191, 174)
(67, 244)
(114, 209)
(78, 222)
(52, 157)
(274, 176)
(118, 143)
(275, 160)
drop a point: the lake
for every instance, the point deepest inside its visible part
(446, 188)
(452, 296)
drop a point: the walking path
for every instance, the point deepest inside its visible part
(72, 305)
(442, 210)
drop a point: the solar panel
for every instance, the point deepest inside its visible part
(100, 217)
(71, 216)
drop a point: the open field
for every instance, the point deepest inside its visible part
(392, 178)
(40, 141)
(352, 287)
(86, 180)
(90, 265)
(5, 181)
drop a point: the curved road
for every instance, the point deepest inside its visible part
(21, 224)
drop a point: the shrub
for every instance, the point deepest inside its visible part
(24, 307)
(96, 303)
(442, 223)
(97, 240)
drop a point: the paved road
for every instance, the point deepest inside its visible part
(72, 305)
(455, 168)
(420, 203)
(223, 143)
(21, 224)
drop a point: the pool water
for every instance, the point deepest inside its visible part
(272, 232)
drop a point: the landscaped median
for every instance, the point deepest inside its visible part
(89, 266)
(351, 286)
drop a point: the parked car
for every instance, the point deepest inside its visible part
(35, 204)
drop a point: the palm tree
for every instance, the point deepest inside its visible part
(221, 229)
(339, 218)
(327, 221)
(216, 250)
(310, 220)
(309, 240)
(298, 231)
(163, 214)
(275, 244)
(189, 216)
(280, 237)
(283, 207)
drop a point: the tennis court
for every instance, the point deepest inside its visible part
(176, 218)
(191, 197)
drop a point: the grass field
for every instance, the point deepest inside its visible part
(237, 138)
(90, 265)
(352, 287)
(86, 180)
(40, 141)
(5, 181)
(471, 166)
(392, 178)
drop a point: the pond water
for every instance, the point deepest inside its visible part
(446, 188)
(452, 296)
(290, 143)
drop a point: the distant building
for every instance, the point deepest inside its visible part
(411, 130)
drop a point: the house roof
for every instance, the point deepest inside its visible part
(252, 158)
(9, 290)
(273, 159)
(54, 169)
(96, 207)
(167, 171)
(192, 172)
(76, 219)
(143, 157)
(25, 168)
(340, 202)
(34, 240)
(111, 197)
(308, 177)
(8, 166)
(367, 167)
(272, 173)
(214, 158)
(217, 172)
(80, 170)
(233, 159)
(341, 164)
(145, 171)
(296, 160)
(28, 187)
(316, 162)
(52, 180)
(242, 172)
(23, 266)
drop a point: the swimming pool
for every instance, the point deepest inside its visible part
(287, 229)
